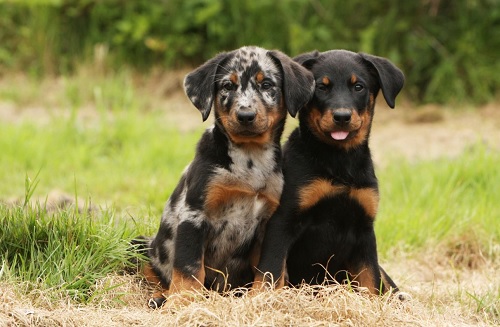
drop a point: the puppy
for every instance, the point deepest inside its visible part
(323, 229)
(212, 226)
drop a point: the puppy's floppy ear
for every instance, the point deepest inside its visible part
(297, 84)
(200, 87)
(390, 77)
(307, 59)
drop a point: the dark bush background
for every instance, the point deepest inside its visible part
(448, 49)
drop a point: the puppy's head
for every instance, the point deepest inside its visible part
(347, 84)
(251, 90)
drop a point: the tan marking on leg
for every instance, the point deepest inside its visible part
(153, 279)
(201, 273)
(150, 275)
(368, 198)
(281, 281)
(255, 257)
(365, 278)
(312, 193)
(180, 282)
(262, 280)
(258, 284)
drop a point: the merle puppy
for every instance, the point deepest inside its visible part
(323, 229)
(212, 226)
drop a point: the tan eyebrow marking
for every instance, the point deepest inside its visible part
(259, 76)
(234, 78)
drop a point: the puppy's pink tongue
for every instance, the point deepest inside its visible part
(339, 135)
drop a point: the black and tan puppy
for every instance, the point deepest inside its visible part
(212, 226)
(323, 229)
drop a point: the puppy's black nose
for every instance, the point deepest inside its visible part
(342, 117)
(246, 117)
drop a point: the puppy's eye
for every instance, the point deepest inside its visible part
(321, 87)
(266, 85)
(228, 86)
(358, 87)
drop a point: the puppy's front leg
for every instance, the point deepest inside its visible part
(271, 270)
(189, 270)
(363, 263)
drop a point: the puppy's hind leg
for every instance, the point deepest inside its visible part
(141, 246)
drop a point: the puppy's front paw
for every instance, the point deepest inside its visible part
(156, 302)
(403, 296)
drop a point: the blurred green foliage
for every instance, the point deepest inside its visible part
(448, 49)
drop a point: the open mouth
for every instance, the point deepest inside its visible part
(339, 135)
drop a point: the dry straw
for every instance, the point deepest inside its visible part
(334, 305)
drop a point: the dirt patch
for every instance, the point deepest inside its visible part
(444, 132)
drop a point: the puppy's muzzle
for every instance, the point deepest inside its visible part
(246, 116)
(342, 117)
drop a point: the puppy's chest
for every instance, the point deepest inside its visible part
(247, 192)
(318, 190)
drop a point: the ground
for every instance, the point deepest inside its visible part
(432, 131)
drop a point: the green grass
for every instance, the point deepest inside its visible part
(430, 202)
(129, 160)
(65, 251)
